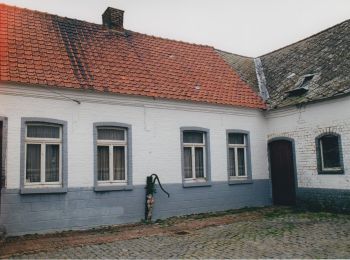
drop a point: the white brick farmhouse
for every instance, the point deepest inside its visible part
(88, 111)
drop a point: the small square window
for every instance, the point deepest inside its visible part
(329, 154)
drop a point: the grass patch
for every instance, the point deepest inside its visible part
(278, 212)
(277, 230)
(281, 212)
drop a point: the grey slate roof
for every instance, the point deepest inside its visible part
(325, 54)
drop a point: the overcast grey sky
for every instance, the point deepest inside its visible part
(246, 27)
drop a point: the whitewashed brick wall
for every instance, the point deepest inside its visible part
(156, 136)
(155, 131)
(304, 125)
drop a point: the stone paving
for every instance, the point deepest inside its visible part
(299, 235)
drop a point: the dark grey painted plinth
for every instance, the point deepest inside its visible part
(324, 199)
(83, 208)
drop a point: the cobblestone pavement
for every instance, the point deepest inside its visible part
(295, 235)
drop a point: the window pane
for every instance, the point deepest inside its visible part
(188, 162)
(102, 163)
(241, 161)
(199, 162)
(33, 162)
(43, 131)
(119, 163)
(192, 137)
(232, 162)
(236, 138)
(111, 134)
(330, 147)
(52, 162)
(306, 81)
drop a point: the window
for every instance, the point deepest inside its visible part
(43, 154)
(302, 85)
(329, 154)
(194, 155)
(237, 155)
(111, 155)
(306, 81)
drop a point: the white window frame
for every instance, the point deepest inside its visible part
(235, 147)
(111, 144)
(193, 146)
(322, 160)
(43, 142)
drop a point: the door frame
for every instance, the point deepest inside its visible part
(295, 172)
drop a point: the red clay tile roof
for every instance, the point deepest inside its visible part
(42, 49)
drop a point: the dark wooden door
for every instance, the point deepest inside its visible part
(282, 172)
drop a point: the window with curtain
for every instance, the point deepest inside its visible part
(329, 151)
(111, 155)
(237, 155)
(43, 148)
(194, 155)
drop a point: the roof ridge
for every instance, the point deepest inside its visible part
(96, 24)
(172, 40)
(307, 38)
(45, 13)
(243, 56)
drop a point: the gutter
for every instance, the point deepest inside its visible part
(259, 70)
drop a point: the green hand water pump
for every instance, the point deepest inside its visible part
(150, 190)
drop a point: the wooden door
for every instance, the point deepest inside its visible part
(282, 172)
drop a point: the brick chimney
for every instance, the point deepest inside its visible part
(113, 19)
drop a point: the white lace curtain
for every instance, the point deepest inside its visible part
(118, 163)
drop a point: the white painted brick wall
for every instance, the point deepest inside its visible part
(304, 125)
(156, 132)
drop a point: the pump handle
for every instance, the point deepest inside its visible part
(156, 178)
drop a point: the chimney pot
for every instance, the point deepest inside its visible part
(113, 19)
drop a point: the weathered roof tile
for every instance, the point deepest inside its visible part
(39, 48)
(325, 54)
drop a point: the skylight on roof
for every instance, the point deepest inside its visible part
(302, 86)
(306, 81)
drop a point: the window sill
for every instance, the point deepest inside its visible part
(35, 190)
(197, 184)
(239, 181)
(113, 188)
(338, 172)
